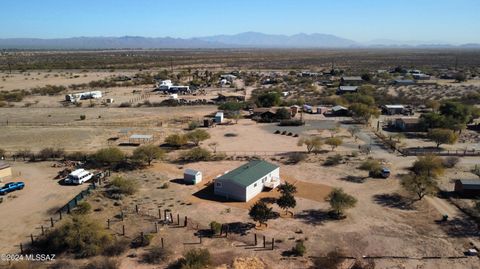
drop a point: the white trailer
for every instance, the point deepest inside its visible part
(75, 97)
(78, 177)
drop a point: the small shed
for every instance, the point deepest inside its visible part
(219, 117)
(393, 109)
(5, 170)
(340, 111)
(191, 176)
(140, 138)
(347, 89)
(467, 187)
(407, 124)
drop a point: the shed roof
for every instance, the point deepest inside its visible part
(470, 184)
(348, 88)
(4, 165)
(248, 173)
(394, 106)
(338, 108)
(191, 172)
(141, 136)
(354, 78)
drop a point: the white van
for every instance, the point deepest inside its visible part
(78, 177)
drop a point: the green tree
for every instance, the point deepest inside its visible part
(197, 136)
(260, 212)
(176, 140)
(313, 143)
(460, 77)
(363, 113)
(429, 165)
(110, 156)
(287, 188)
(419, 184)
(268, 99)
(340, 201)
(283, 114)
(196, 259)
(148, 153)
(196, 155)
(442, 136)
(286, 201)
(333, 142)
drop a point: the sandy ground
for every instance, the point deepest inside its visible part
(24, 211)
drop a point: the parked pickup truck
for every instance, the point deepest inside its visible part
(12, 186)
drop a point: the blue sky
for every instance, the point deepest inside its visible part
(454, 21)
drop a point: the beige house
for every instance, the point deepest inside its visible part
(5, 170)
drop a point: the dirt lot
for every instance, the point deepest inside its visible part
(24, 211)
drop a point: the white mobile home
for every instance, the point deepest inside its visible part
(191, 176)
(248, 180)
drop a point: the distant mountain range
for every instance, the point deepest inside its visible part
(242, 40)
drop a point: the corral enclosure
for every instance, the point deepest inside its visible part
(351, 59)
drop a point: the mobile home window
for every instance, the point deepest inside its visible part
(255, 185)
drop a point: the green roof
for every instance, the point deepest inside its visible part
(250, 172)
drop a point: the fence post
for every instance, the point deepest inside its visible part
(178, 219)
(121, 214)
(136, 208)
(108, 223)
(255, 239)
(31, 238)
(156, 227)
(200, 239)
(68, 208)
(161, 239)
(60, 212)
(273, 243)
(43, 230)
(159, 213)
(185, 222)
(21, 248)
(51, 221)
(171, 217)
(264, 241)
(141, 238)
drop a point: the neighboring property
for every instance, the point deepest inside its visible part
(403, 82)
(393, 109)
(248, 180)
(228, 77)
(407, 124)
(421, 76)
(340, 111)
(140, 138)
(75, 97)
(264, 114)
(347, 89)
(191, 176)
(219, 117)
(467, 187)
(167, 87)
(352, 81)
(5, 170)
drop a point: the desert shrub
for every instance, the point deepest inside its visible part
(83, 117)
(333, 160)
(363, 264)
(116, 248)
(291, 123)
(50, 153)
(215, 227)
(83, 208)
(450, 161)
(141, 240)
(176, 140)
(80, 235)
(103, 263)
(297, 157)
(193, 125)
(299, 249)
(165, 185)
(196, 259)
(156, 255)
(109, 155)
(372, 166)
(24, 265)
(76, 156)
(219, 156)
(196, 155)
(120, 186)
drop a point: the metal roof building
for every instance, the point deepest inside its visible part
(248, 180)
